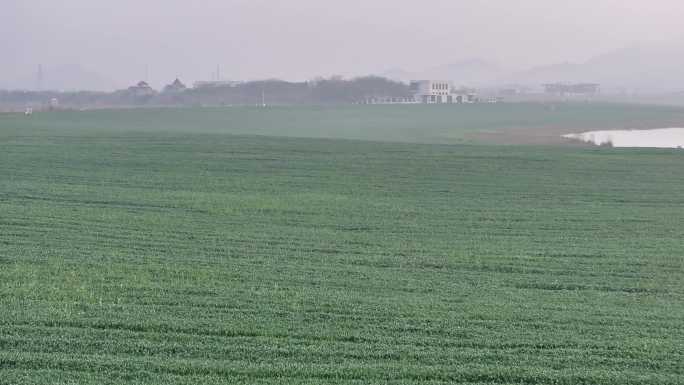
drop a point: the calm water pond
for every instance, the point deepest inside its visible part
(656, 138)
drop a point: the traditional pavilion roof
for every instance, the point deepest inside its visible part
(178, 84)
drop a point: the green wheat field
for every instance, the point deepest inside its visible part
(339, 245)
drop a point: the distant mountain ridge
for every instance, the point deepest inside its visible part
(645, 67)
(652, 67)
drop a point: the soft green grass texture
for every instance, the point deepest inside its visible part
(135, 255)
(440, 124)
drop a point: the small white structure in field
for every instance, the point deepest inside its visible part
(28, 111)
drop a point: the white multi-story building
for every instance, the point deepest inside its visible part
(432, 91)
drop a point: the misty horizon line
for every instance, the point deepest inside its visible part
(468, 72)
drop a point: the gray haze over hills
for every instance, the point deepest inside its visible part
(471, 72)
(103, 44)
(639, 68)
(646, 67)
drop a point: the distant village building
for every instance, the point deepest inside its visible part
(142, 89)
(389, 100)
(439, 92)
(464, 95)
(513, 91)
(563, 89)
(431, 91)
(176, 86)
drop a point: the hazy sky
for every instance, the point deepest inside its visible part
(300, 39)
